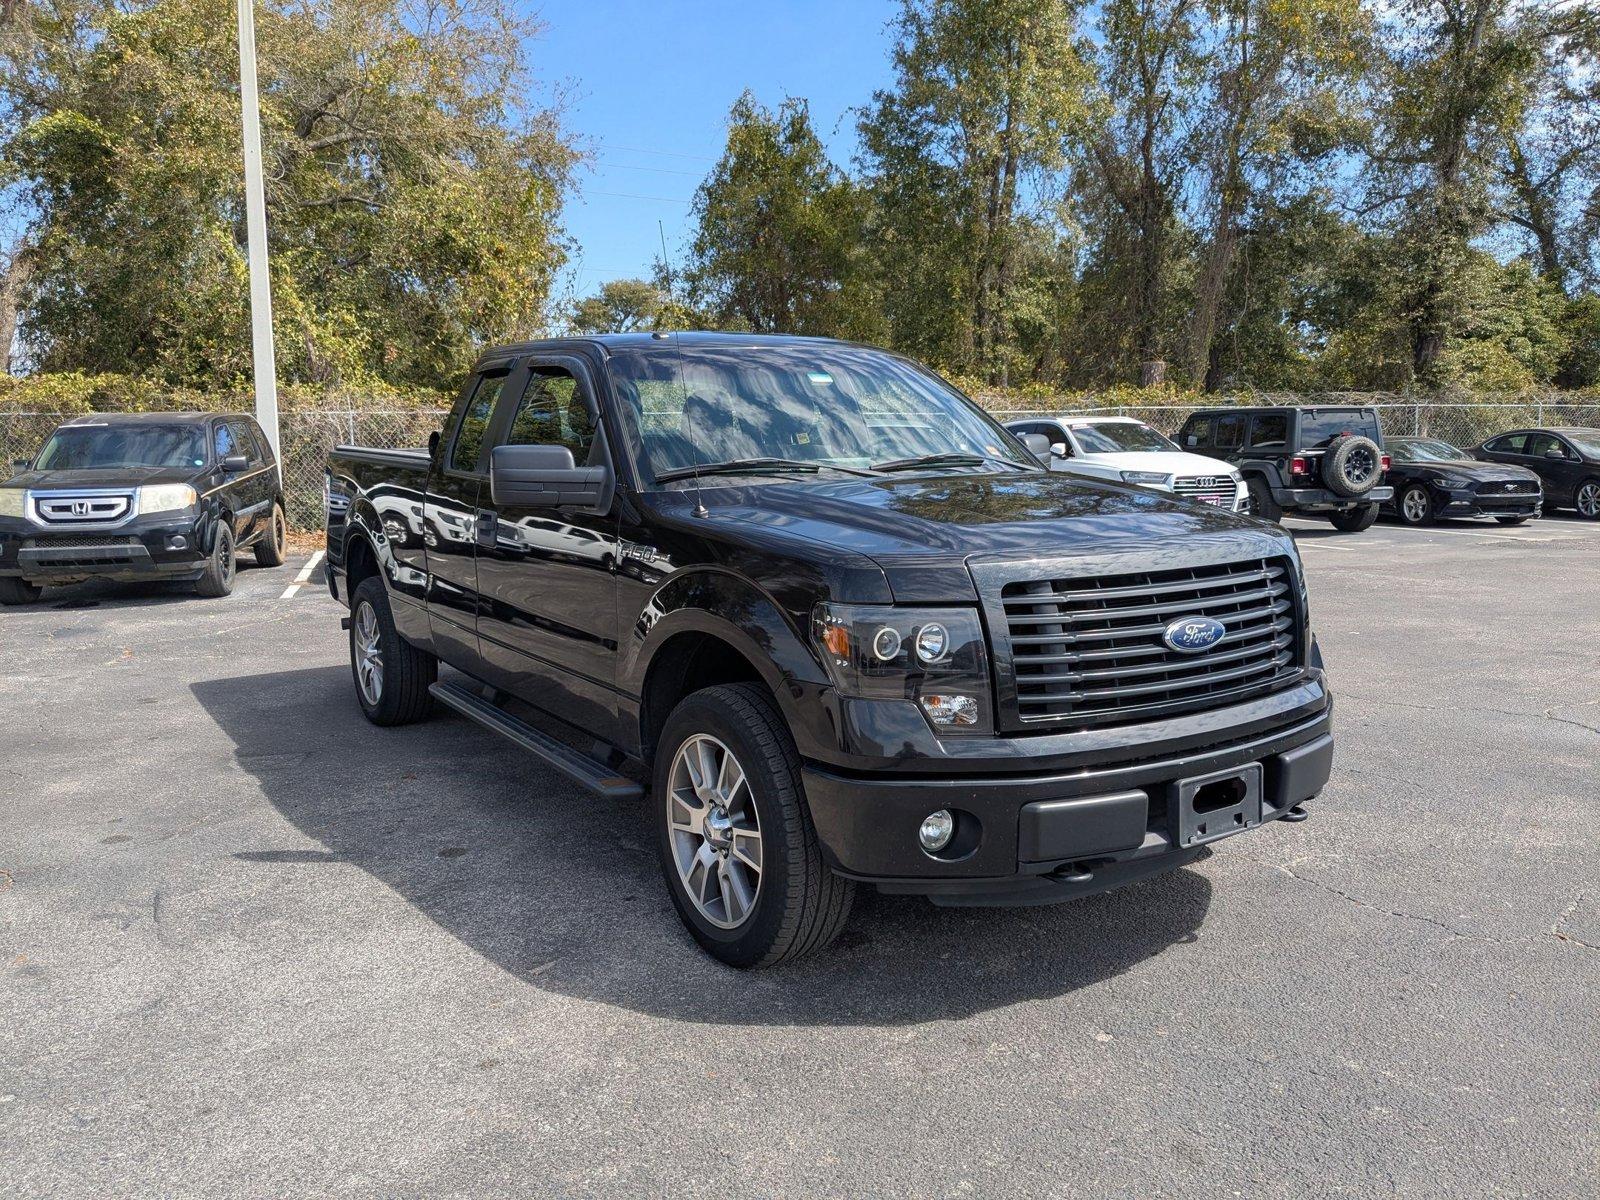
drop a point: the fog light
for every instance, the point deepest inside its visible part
(178, 542)
(937, 830)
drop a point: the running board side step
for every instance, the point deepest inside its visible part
(580, 768)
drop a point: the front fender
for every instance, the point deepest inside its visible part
(738, 612)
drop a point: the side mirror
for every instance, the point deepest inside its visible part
(433, 444)
(234, 463)
(545, 477)
(1558, 455)
(1059, 450)
(21, 464)
(1038, 445)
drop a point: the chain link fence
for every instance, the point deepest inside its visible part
(308, 436)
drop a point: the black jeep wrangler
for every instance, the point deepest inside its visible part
(1305, 460)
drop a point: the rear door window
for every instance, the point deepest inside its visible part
(1319, 426)
(1270, 431)
(1230, 433)
(1512, 443)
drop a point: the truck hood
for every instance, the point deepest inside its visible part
(924, 531)
(103, 477)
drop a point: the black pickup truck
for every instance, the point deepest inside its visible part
(838, 623)
(141, 496)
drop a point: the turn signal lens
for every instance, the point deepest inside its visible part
(948, 710)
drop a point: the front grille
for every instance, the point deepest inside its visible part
(1207, 489)
(74, 541)
(79, 508)
(1507, 487)
(1090, 651)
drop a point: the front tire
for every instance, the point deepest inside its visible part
(1261, 502)
(1415, 506)
(737, 847)
(273, 542)
(15, 591)
(222, 567)
(1587, 500)
(1354, 520)
(392, 676)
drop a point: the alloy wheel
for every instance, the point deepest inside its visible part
(1415, 505)
(714, 832)
(1589, 500)
(369, 653)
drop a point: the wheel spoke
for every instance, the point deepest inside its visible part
(730, 779)
(747, 848)
(714, 831)
(737, 894)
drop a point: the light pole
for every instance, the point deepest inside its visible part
(255, 211)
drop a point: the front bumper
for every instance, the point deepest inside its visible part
(1036, 839)
(1324, 500)
(1477, 504)
(159, 546)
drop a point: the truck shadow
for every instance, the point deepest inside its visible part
(563, 892)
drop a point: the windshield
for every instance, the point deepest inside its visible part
(818, 405)
(88, 447)
(1118, 437)
(1587, 443)
(1427, 450)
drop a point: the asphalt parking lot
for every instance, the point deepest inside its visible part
(251, 945)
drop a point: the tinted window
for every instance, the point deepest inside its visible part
(1319, 426)
(469, 436)
(259, 437)
(1230, 432)
(552, 413)
(244, 441)
(1540, 444)
(1270, 430)
(1511, 444)
(1116, 437)
(224, 442)
(1197, 432)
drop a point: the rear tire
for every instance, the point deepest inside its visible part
(392, 676)
(270, 548)
(223, 565)
(15, 591)
(1354, 520)
(1261, 502)
(743, 841)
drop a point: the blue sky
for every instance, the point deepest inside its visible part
(651, 85)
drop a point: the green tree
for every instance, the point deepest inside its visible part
(776, 235)
(414, 186)
(959, 157)
(620, 306)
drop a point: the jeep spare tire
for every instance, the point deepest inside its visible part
(1352, 465)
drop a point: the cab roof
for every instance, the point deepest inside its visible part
(149, 418)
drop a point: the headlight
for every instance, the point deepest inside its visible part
(1153, 479)
(934, 657)
(11, 502)
(165, 497)
(1453, 482)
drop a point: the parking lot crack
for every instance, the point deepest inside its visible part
(1359, 902)
(1559, 931)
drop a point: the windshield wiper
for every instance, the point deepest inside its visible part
(949, 459)
(737, 466)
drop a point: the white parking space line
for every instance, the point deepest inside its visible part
(303, 577)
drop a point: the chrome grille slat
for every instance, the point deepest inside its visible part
(1087, 650)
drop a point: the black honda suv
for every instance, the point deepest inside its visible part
(140, 496)
(1326, 460)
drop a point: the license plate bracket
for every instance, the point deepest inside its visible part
(1208, 807)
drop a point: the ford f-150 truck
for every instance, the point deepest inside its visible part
(835, 621)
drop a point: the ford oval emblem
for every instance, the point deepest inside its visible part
(1190, 635)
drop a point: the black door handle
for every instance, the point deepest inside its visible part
(488, 520)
